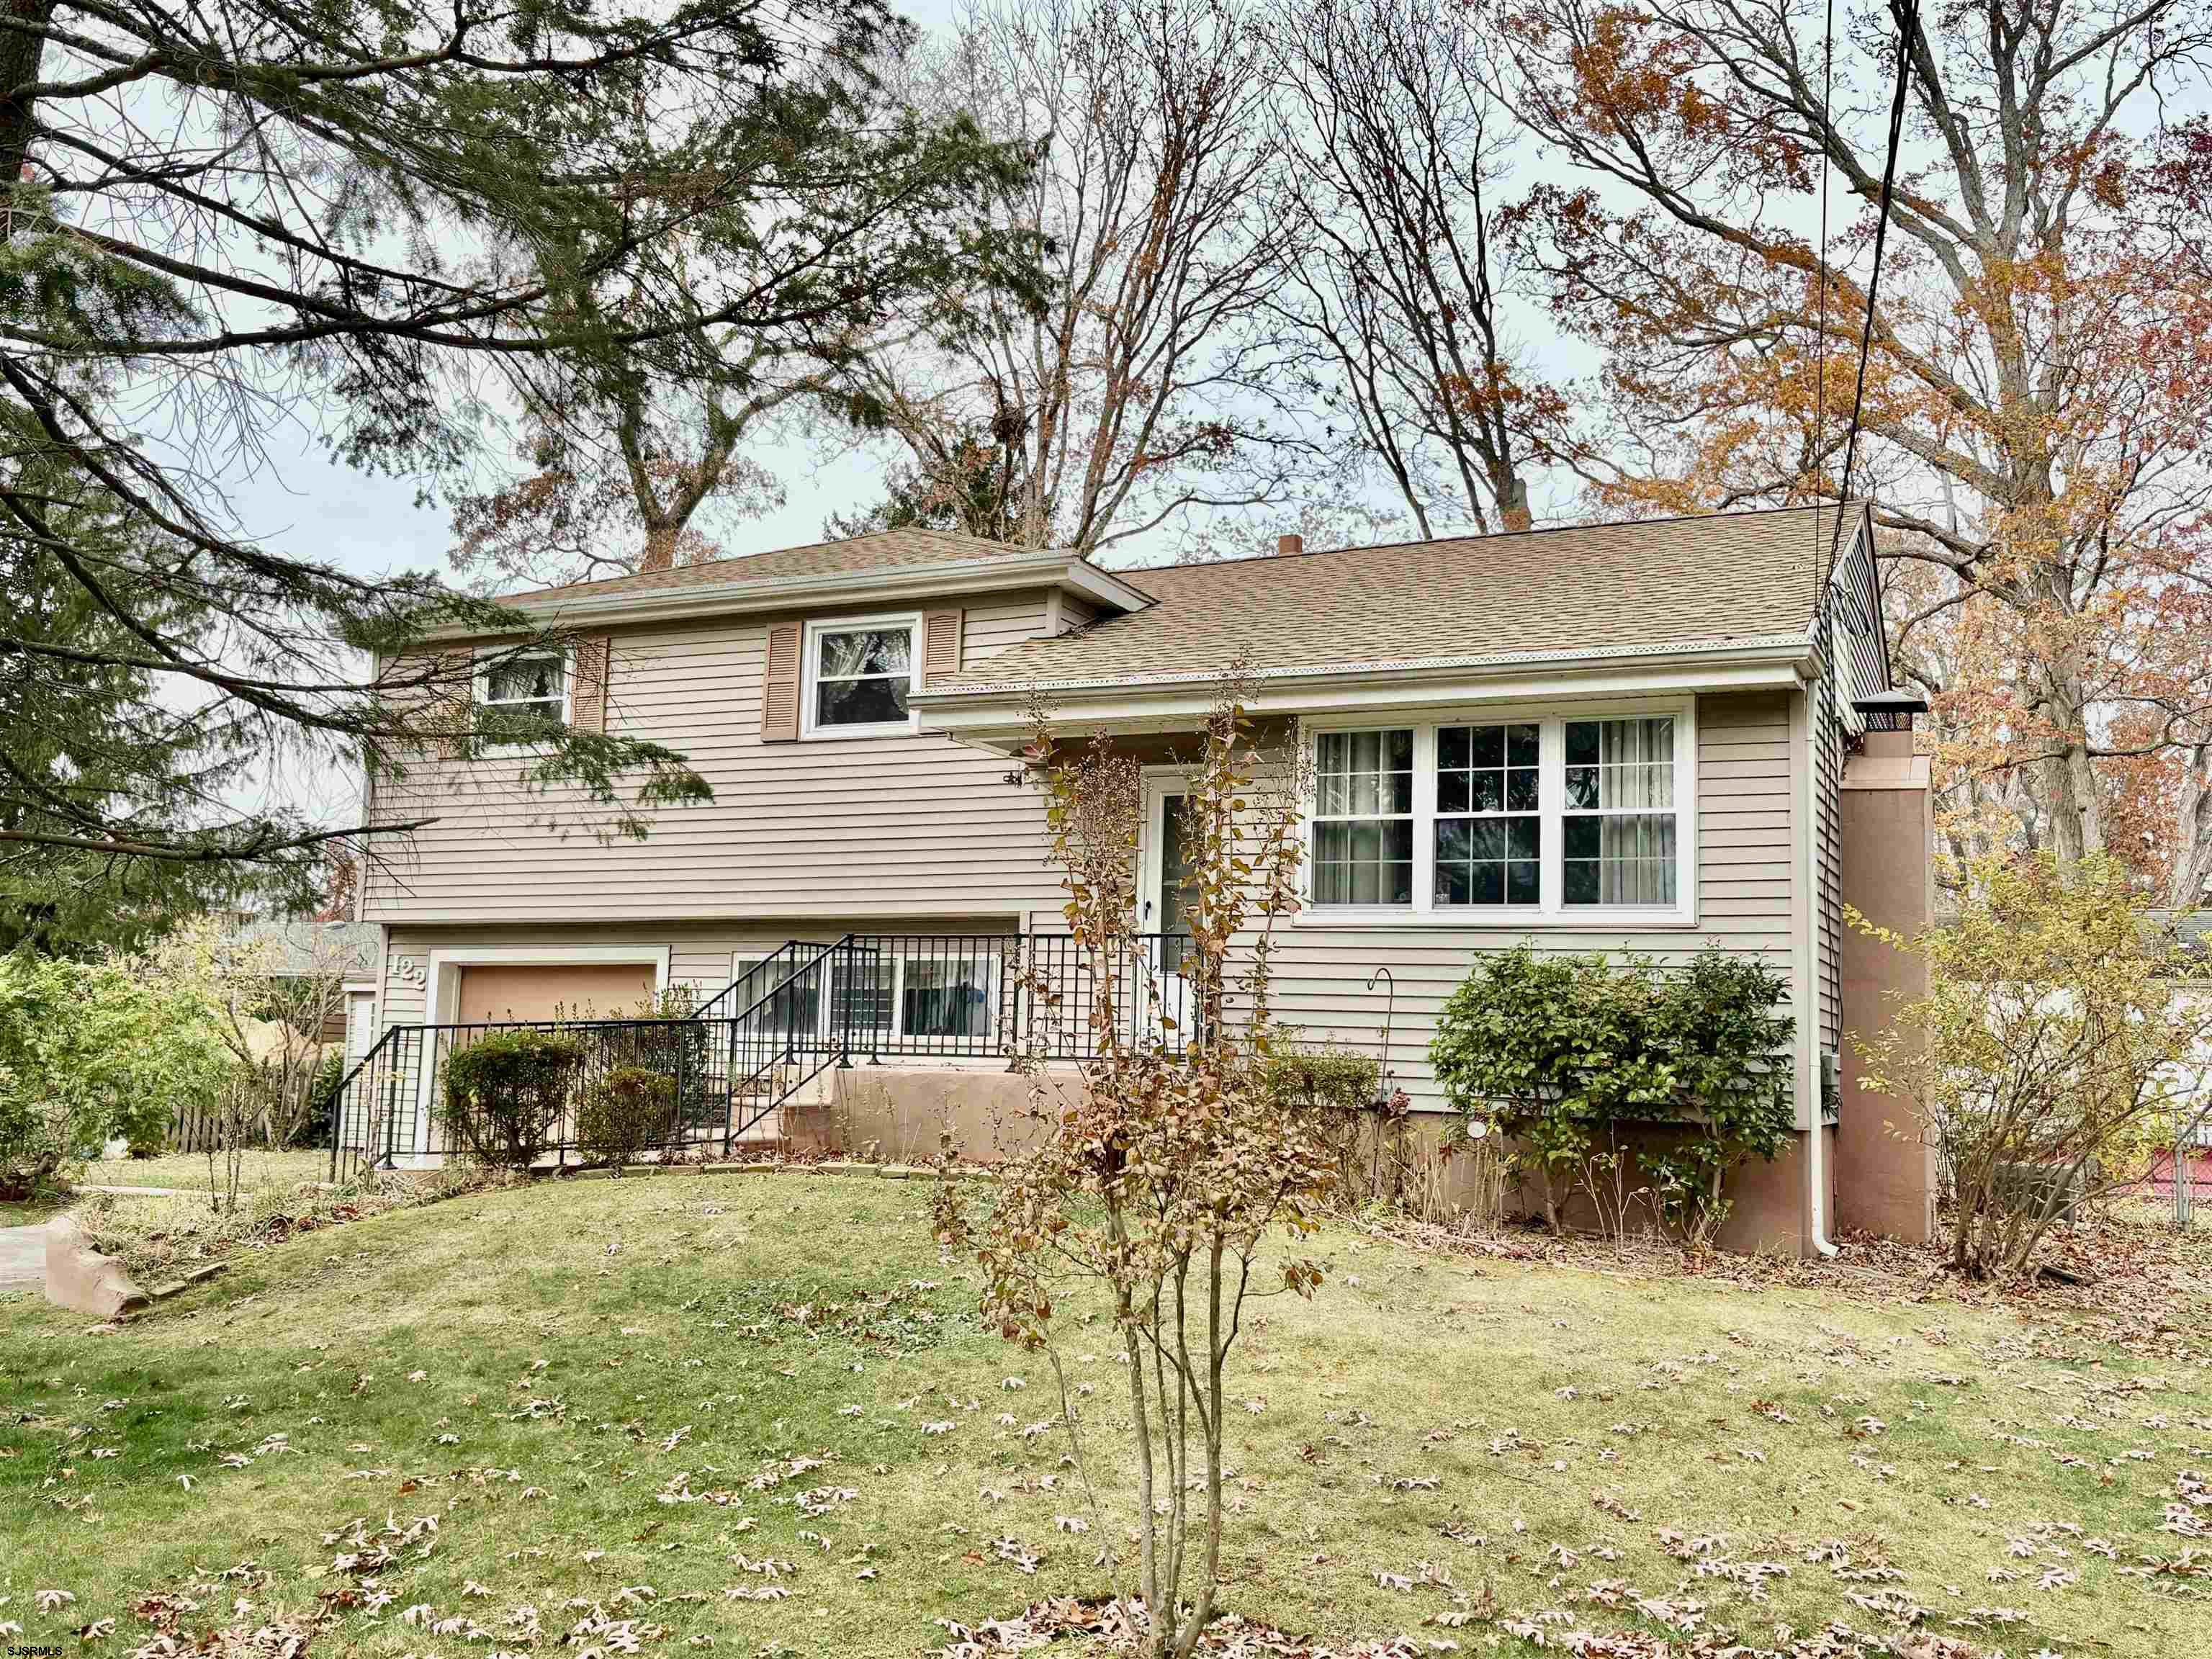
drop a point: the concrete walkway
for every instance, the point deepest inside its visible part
(23, 1255)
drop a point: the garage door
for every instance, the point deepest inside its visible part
(564, 990)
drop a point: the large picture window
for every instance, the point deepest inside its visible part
(1561, 817)
(860, 677)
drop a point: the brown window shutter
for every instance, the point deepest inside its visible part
(594, 660)
(780, 687)
(940, 646)
(453, 702)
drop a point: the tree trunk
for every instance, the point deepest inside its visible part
(23, 49)
(2192, 832)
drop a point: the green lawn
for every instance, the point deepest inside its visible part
(644, 1394)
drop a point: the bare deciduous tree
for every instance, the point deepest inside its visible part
(1140, 389)
(1393, 154)
(2036, 367)
(1153, 1178)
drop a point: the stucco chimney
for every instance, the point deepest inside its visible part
(1290, 544)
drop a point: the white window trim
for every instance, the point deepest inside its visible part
(743, 959)
(1551, 913)
(439, 990)
(1157, 781)
(811, 669)
(490, 657)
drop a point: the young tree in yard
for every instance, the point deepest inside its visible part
(1394, 161)
(2038, 362)
(1140, 388)
(2058, 1045)
(1160, 1170)
(218, 215)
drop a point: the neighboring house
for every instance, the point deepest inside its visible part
(1622, 736)
(349, 951)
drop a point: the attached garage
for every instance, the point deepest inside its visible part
(471, 986)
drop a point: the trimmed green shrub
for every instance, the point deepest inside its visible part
(629, 1110)
(504, 1093)
(1558, 1051)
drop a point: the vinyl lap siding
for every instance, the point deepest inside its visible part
(699, 955)
(1743, 878)
(987, 629)
(907, 825)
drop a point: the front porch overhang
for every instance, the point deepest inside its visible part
(1002, 716)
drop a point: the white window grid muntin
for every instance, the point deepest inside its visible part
(1505, 812)
(810, 673)
(1316, 818)
(1551, 911)
(1608, 773)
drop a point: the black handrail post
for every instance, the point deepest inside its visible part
(845, 1013)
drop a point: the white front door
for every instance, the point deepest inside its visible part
(360, 1025)
(1163, 907)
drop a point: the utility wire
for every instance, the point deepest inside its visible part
(1907, 13)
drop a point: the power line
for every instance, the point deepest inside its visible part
(1907, 13)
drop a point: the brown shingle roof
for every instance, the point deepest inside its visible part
(883, 549)
(1598, 589)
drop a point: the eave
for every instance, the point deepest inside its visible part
(883, 585)
(999, 715)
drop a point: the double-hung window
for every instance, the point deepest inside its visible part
(1363, 847)
(860, 676)
(520, 689)
(1566, 818)
(1488, 830)
(1619, 818)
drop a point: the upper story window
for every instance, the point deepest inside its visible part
(525, 686)
(1567, 819)
(860, 675)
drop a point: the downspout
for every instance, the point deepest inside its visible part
(1805, 931)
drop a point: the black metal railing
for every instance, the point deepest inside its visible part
(865, 998)
(762, 977)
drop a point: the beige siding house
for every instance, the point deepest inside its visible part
(1629, 736)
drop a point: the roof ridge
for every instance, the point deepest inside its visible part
(930, 532)
(1488, 535)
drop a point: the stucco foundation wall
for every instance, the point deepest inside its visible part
(1766, 1214)
(899, 1115)
(1887, 1182)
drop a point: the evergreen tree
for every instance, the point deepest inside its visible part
(400, 217)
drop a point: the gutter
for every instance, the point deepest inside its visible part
(1793, 649)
